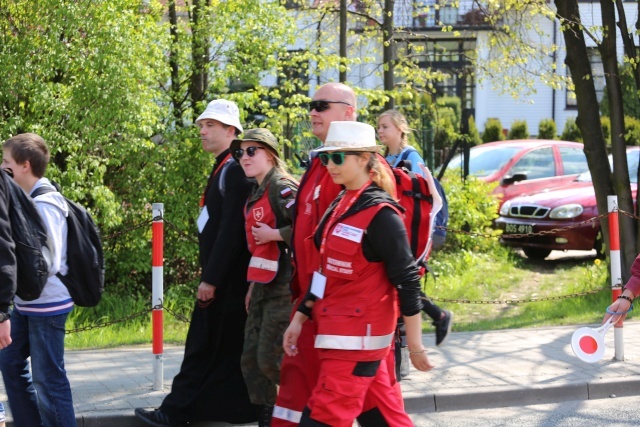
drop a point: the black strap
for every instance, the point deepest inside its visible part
(405, 153)
(42, 190)
(415, 221)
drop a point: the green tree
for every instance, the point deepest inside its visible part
(84, 75)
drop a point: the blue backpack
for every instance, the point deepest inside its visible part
(442, 218)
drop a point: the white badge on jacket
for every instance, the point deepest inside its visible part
(202, 219)
(318, 283)
(348, 232)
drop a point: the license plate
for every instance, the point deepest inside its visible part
(518, 229)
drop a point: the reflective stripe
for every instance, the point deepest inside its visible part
(263, 264)
(345, 342)
(287, 414)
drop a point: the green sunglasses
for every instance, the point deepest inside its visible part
(336, 157)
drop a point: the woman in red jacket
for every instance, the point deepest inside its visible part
(365, 265)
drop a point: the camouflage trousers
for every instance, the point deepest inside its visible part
(262, 353)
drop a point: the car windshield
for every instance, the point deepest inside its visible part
(484, 161)
(632, 163)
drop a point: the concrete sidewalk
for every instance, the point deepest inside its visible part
(473, 370)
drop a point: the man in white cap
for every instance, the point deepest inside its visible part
(210, 386)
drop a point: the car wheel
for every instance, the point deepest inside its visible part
(536, 253)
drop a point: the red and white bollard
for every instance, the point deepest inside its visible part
(616, 270)
(157, 258)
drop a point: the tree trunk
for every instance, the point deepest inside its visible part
(175, 95)
(631, 51)
(387, 51)
(200, 55)
(588, 119)
(343, 41)
(620, 175)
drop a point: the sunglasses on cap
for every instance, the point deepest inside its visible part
(337, 157)
(323, 105)
(251, 151)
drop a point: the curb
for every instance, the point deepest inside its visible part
(505, 396)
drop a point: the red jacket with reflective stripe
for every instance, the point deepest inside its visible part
(359, 299)
(263, 265)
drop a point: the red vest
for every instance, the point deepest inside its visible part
(263, 265)
(317, 191)
(357, 315)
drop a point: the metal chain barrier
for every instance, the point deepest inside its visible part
(185, 235)
(519, 301)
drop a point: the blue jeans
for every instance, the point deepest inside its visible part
(41, 398)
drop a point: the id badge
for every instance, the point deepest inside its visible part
(202, 219)
(318, 284)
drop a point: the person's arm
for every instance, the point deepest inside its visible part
(286, 194)
(387, 239)
(56, 224)
(629, 293)
(230, 240)
(8, 267)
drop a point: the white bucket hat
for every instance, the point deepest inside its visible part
(350, 136)
(223, 111)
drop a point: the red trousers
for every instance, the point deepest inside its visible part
(299, 376)
(339, 397)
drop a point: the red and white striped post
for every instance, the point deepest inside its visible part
(157, 258)
(616, 270)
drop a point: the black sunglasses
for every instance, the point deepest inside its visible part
(251, 151)
(323, 105)
(337, 157)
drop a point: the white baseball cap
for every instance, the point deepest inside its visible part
(224, 111)
(350, 136)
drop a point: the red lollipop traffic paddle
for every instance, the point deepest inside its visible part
(588, 343)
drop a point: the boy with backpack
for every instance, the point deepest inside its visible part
(43, 396)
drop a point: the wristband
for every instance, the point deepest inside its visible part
(411, 353)
(625, 297)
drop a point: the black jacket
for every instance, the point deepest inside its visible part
(224, 256)
(8, 269)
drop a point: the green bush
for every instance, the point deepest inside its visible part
(571, 131)
(632, 129)
(472, 208)
(605, 122)
(547, 129)
(492, 131)
(474, 134)
(519, 130)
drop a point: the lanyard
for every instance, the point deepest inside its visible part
(337, 212)
(211, 178)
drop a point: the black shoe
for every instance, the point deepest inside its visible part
(156, 418)
(443, 327)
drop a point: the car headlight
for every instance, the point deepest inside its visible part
(566, 211)
(504, 209)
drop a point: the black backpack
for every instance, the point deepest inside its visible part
(33, 248)
(85, 277)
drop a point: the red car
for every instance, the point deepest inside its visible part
(525, 166)
(558, 208)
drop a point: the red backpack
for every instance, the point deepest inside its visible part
(415, 194)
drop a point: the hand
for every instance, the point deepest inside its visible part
(619, 306)
(206, 292)
(262, 233)
(5, 334)
(247, 298)
(420, 360)
(290, 339)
